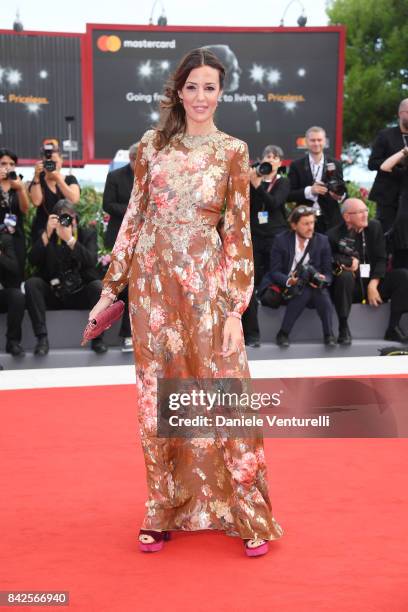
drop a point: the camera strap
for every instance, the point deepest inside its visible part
(271, 184)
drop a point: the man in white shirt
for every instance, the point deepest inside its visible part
(308, 177)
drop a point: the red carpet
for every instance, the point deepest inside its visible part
(72, 494)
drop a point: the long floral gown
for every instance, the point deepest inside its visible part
(185, 250)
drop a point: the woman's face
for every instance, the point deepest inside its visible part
(7, 164)
(200, 94)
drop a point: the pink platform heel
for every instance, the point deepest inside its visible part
(256, 548)
(159, 537)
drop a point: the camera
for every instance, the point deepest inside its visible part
(12, 176)
(347, 250)
(49, 164)
(306, 274)
(262, 168)
(69, 282)
(333, 183)
(347, 247)
(65, 219)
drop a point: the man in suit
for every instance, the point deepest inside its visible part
(301, 246)
(385, 190)
(362, 276)
(116, 195)
(308, 176)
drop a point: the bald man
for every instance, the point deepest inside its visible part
(362, 275)
(385, 190)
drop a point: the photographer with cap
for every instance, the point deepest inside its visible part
(14, 204)
(65, 255)
(358, 246)
(268, 194)
(301, 270)
(316, 180)
(49, 186)
(12, 299)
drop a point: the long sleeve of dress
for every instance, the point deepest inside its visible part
(116, 277)
(235, 233)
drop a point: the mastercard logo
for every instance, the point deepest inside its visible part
(109, 43)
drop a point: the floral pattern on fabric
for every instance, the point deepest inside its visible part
(184, 249)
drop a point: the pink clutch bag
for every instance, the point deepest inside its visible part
(103, 321)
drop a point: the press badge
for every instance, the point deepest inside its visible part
(263, 216)
(365, 270)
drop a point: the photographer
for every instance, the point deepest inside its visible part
(398, 237)
(317, 180)
(14, 204)
(66, 256)
(268, 194)
(12, 299)
(49, 186)
(300, 266)
(363, 277)
(116, 195)
(386, 187)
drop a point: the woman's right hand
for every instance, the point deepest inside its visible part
(103, 303)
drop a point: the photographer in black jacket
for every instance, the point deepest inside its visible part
(317, 180)
(361, 275)
(66, 257)
(116, 195)
(14, 204)
(268, 194)
(386, 188)
(12, 299)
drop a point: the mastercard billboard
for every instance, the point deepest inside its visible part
(279, 82)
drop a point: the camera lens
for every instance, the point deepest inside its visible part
(264, 168)
(65, 220)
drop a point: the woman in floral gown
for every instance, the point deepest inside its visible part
(184, 249)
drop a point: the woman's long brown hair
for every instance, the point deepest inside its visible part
(172, 114)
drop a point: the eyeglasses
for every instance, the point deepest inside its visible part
(304, 209)
(359, 212)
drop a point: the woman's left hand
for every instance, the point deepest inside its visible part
(233, 336)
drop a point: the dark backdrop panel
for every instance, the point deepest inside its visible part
(278, 84)
(40, 84)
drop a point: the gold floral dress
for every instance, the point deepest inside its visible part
(184, 249)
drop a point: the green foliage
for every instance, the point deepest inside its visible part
(355, 191)
(376, 77)
(91, 214)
